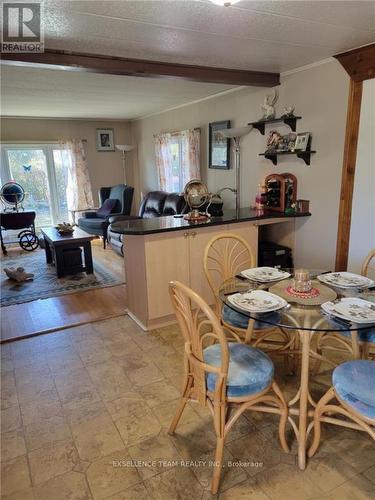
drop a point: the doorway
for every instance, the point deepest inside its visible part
(42, 170)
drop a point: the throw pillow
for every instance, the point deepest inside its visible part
(107, 207)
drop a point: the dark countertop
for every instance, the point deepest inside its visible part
(171, 223)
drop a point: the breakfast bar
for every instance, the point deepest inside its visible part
(159, 250)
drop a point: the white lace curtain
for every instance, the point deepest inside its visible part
(78, 191)
(189, 141)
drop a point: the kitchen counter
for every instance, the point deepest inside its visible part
(170, 223)
(164, 249)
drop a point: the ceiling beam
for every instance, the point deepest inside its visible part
(93, 63)
(359, 63)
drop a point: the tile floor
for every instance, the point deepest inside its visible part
(85, 411)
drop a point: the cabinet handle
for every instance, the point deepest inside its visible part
(193, 234)
(186, 235)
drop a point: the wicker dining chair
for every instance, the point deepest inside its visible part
(220, 375)
(343, 340)
(226, 255)
(368, 265)
(352, 387)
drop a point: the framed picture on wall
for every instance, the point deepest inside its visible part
(104, 139)
(218, 146)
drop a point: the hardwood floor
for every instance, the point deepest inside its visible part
(47, 315)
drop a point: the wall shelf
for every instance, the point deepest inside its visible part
(291, 121)
(304, 155)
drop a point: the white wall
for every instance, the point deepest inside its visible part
(362, 231)
(320, 96)
(105, 168)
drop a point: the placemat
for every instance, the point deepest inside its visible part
(318, 294)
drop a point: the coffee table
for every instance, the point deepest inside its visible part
(64, 251)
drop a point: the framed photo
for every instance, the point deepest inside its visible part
(302, 141)
(274, 140)
(287, 142)
(218, 146)
(104, 139)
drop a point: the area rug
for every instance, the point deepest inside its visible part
(45, 283)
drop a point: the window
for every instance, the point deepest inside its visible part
(177, 158)
(175, 147)
(42, 172)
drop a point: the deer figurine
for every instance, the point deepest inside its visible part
(268, 107)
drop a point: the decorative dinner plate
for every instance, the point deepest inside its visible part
(346, 280)
(257, 301)
(352, 309)
(265, 274)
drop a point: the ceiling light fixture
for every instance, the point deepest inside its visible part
(225, 3)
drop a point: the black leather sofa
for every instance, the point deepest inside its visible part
(154, 204)
(115, 201)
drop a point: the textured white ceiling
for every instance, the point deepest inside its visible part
(267, 36)
(55, 93)
(257, 35)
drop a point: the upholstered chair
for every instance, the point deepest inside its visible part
(114, 201)
(226, 255)
(227, 378)
(352, 387)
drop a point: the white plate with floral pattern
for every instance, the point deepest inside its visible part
(265, 274)
(345, 280)
(352, 309)
(257, 301)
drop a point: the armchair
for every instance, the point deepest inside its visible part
(154, 204)
(114, 201)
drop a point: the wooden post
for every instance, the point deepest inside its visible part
(360, 65)
(348, 172)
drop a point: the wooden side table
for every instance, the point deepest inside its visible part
(64, 251)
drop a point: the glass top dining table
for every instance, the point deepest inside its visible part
(301, 321)
(297, 315)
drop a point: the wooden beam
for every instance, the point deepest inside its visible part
(359, 63)
(93, 63)
(348, 172)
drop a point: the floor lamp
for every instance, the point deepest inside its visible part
(124, 148)
(236, 134)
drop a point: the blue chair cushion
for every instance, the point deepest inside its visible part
(238, 320)
(250, 370)
(353, 384)
(96, 223)
(364, 335)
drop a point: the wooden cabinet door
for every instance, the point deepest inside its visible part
(166, 259)
(249, 233)
(197, 243)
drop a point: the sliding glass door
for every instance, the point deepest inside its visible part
(42, 172)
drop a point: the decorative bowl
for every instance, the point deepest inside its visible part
(65, 228)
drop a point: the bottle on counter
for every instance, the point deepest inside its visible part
(264, 196)
(260, 198)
